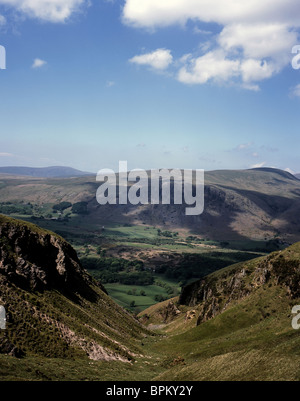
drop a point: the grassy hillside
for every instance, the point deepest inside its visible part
(234, 324)
(55, 310)
(250, 336)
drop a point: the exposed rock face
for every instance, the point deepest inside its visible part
(170, 312)
(213, 294)
(36, 259)
(54, 308)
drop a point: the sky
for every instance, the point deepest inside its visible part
(208, 84)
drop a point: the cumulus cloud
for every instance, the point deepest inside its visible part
(157, 13)
(38, 63)
(212, 66)
(47, 10)
(254, 43)
(159, 59)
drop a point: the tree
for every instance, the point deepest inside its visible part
(62, 206)
(132, 304)
(80, 208)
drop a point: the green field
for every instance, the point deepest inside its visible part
(119, 292)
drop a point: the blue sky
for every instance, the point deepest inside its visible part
(187, 84)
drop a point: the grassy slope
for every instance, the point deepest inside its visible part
(55, 331)
(251, 340)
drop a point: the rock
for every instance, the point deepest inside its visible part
(213, 294)
(191, 314)
(169, 312)
(37, 260)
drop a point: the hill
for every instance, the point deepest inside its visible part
(56, 313)
(55, 171)
(235, 324)
(240, 205)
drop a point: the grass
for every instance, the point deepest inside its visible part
(252, 340)
(34, 368)
(119, 292)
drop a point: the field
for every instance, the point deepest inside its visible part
(125, 295)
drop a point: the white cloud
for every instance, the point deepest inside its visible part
(254, 43)
(201, 31)
(258, 165)
(256, 70)
(38, 63)
(159, 59)
(48, 10)
(212, 66)
(258, 40)
(157, 13)
(4, 154)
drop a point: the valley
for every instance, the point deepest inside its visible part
(234, 324)
(247, 214)
(103, 293)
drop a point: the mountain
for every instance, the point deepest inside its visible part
(50, 172)
(235, 324)
(240, 205)
(297, 176)
(54, 309)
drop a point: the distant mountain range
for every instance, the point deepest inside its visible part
(63, 171)
(257, 204)
(44, 172)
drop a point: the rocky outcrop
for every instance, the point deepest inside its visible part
(36, 259)
(214, 293)
(169, 312)
(54, 308)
